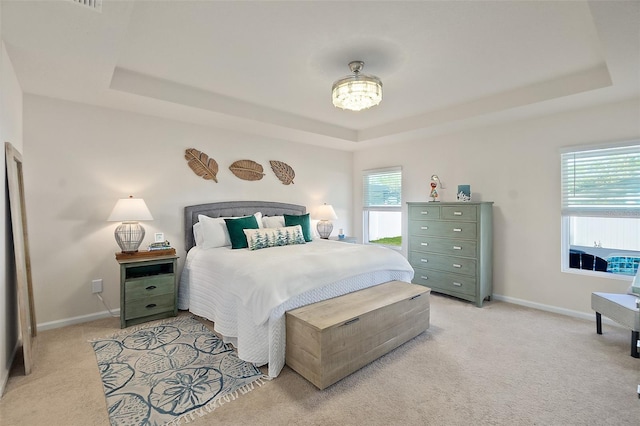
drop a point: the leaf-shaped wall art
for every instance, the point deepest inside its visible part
(201, 164)
(247, 170)
(283, 171)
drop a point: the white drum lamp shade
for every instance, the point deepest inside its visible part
(129, 234)
(326, 214)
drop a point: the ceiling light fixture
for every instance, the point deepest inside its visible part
(358, 91)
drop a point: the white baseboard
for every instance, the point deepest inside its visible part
(75, 320)
(554, 309)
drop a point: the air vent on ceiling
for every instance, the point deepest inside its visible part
(90, 4)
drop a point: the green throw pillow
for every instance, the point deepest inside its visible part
(236, 229)
(302, 220)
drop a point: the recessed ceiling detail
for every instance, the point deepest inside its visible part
(266, 67)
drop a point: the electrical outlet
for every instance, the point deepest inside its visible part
(96, 286)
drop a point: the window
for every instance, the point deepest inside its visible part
(382, 206)
(601, 209)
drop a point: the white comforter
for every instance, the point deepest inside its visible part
(246, 293)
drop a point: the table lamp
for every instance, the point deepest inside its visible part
(326, 214)
(129, 234)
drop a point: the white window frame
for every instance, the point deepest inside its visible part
(597, 203)
(368, 207)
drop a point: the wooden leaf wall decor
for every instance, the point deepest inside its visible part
(283, 171)
(247, 170)
(201, 164)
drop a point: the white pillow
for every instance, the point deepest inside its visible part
(214, 231)
(273, 221)
(197, 234)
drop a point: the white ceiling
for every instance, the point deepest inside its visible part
(267, 67)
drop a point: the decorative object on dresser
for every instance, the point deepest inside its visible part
(148, 287)
(435, 182)
(451, 248)
(170, 372)
(326, 214)
(247, 170)
(283, 171)
(328, 340)
(464, 193)
(201, 164)
(129, 234)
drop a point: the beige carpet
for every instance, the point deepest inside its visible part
(499, 365)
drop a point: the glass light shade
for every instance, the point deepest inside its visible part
(358, 91)
(356, 95)
(129, 234)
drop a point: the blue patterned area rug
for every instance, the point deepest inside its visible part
(170, 373)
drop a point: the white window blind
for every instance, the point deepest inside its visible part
(601, 182)
(382, 188)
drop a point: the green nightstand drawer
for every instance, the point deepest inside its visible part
(149, 286)
(424, 212)
(149, 306)
(437, 280)
(467, 230)
(444, 246)
(458, 265)
(467, 213)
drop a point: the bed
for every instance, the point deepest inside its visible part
(246, 293)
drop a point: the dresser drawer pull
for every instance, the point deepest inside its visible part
(424, 227)
(424, 277)
(455, 265)
(151, 305)
(415, 297)
(351, 321)
(424, 212)
(457, 248)
(424, 244)
(151, 287)
(424, 260)
(457, 284)
(457, 213)
(457, 230)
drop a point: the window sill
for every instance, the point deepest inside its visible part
(598, 274)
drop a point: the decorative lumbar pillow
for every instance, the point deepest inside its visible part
(273, 221)
(303, 221)
(236, 229)
(273, 237)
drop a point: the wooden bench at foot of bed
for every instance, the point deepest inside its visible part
(328, 340)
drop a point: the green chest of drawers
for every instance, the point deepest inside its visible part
(451, 248)
(148, 290)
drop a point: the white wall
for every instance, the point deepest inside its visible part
(10, 131)
(517, 166)
(81, 159)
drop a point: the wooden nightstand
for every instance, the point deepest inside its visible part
(148, 289)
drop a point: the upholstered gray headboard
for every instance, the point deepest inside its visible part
(234, 209)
